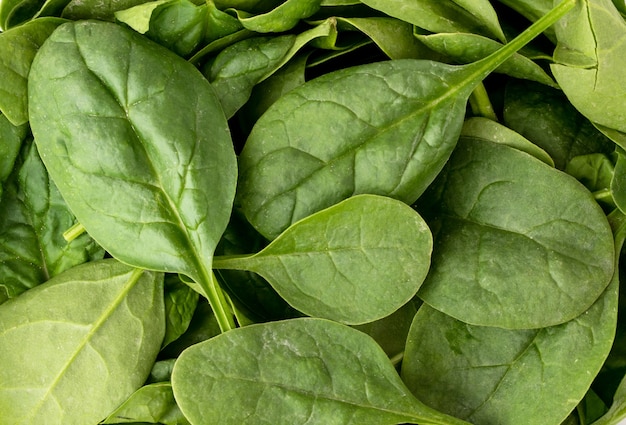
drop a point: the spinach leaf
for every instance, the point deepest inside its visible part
(291, 372)
(138, 146)
(11, 138)
(32, 220)
(492, 375)
(545, 117)
(95, 347)
(180, 304)
(96, 9)
(477, 16)
(282, 18)
(391, 139)
(18, 47)
(328, 264)
(507, 251)
(492, 131)
(590, 58)
(466, 48)
(617, 412)
(153, 403)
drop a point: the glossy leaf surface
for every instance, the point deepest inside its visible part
(340, 140)
(282, 18)
(33, 217)
(94, 348)
(331, 264)
(144, 159)
(506, 250)
(295, 372)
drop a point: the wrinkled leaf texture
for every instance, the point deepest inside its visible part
(137, 144)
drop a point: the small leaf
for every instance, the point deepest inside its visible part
(355, 262)
(508, 252)
(152, 403)
(77, 346)
(282, 18)
(180, 304)
(294, 372)
(18, 47)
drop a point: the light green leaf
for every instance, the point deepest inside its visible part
(33, 217)
(282, 18)
(355, 262)
(18, 47)
(77, 346)
(329, 139)
(97, 9)
(617, 411)
(153, 404)
(138, 17)
(508, 251)
(532, 10)
(590, 60)
(294, 372)
(475, 16)
(492, 131)
(138, 145)
(466, 48)
(489, 375)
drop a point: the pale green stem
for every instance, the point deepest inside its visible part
(480, 103)
(73, 232)
(604, 195)
(218, 302)
(395, 360)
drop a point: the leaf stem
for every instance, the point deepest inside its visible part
(480, 103)
(488, 64)
(218, 302)
(73, 232)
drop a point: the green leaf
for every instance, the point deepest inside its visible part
(466, 48)
(77, 346)
(618, 182)
(393, 36)
(509, 252)
(294, 372)
(282, 18)
(355, 262)
(97, 9)
(144, 157)
(590, 60)
(545, 117)
(489, 375)
(180, 304)
(152, 403)
(485, 129)
(18, 47)
(391, 139)
(473, 16)
(11, 138)
(617, 411)
(138, 17)
(33, 216)
(532, 10)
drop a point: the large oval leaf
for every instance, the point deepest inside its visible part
(490, 375)
(355, 262)
(330, 139)
(137, 143)
(509, 250)
(300, 371)
(74, 348)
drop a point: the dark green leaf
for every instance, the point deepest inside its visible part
(137, 143)
(180, 304)
(72, 359)
(355, 262)
(33, 217)
(282, 18)
(545, 117)
(11, 138)
(508, 251)
(97, 9)
(295, 372)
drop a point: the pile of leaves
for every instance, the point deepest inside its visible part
(312, 212)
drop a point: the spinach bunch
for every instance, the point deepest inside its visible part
(312, 212)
